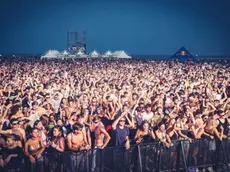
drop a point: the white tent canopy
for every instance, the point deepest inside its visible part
(80, 53)
(94, 54)
(65, 53)
(121, 54)
(50, 54)
(107, 54)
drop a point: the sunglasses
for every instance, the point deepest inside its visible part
(14, 123)
(80, 129)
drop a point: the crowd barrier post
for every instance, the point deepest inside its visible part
(183, 155)
(87, 161)
(139, 158)
(102, 160)
(159, 158)
(225, 156)
(154, 157)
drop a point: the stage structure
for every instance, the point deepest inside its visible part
(76, 41)
(183, 55)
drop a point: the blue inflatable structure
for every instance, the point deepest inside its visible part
(183, 55)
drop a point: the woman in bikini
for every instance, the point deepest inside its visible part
(171, 131)
(56, 145)
(212, 134)
(182, 130)
(197, 130)
(144, 134)
(165, 140)
(162, 135)
(34, 148)
(42, 133)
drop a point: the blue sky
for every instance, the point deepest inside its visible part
(139, 26)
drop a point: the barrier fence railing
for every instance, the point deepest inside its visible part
(149, 157)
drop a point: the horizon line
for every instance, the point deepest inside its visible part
(165, 55)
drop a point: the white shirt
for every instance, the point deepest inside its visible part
(218, 96)
(147, 116)
(56, 104)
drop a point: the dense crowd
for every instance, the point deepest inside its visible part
(57, 106)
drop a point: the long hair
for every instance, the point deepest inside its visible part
(36, 123)
(142, 125)
(59, 129)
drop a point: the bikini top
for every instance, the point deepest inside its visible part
(162, 135)
(34, 148)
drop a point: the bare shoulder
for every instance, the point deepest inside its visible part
(62, 139)
(68, 136)
(28, 141)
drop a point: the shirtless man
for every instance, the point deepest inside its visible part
(100, 133)
(37, 109)
(77, 140)
(19, 132)
(72, 107)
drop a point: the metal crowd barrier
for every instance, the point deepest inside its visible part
(151, 157)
